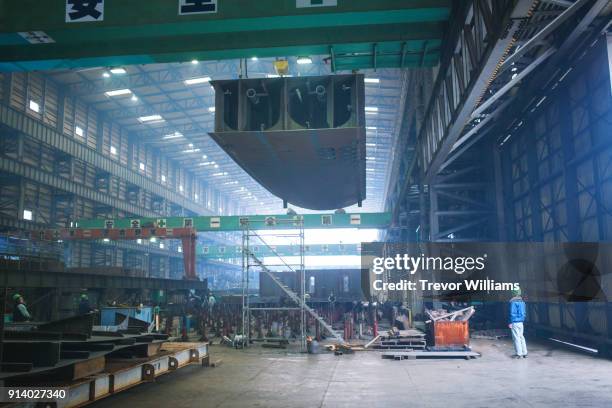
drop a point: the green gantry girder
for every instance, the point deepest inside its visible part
(255, 222)
(34, 34)
(235, 251)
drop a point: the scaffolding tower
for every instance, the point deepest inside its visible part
(250, 260)
(251, 238)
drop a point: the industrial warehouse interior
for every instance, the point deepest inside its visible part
(309, 203)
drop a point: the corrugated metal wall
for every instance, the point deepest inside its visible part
(558, 187)
(40, 98)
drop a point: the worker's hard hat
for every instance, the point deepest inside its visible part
(517, 292)
(84, 296)
(16, 296)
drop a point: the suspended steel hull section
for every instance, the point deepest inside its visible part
(303, 139)
(319, 169)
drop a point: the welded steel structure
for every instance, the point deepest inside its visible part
(301, 138)
(509, 141)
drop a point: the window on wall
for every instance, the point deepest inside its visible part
(142, 166)
(311, 285)
(34, 106)
(27, 215)
(345, 284)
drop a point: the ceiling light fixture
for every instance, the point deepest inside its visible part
(371, 109)
(195, 81)
(174, 135)
(118, 92)
(134, 98)
(371, 80)
(195, 61)
(151, 119)
(211, 109)
(106, 74)
(118, 71)
(304, 60)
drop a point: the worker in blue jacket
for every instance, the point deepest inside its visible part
(517, 318)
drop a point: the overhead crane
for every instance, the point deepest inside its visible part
(186, 228)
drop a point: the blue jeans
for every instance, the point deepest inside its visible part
(519, 340)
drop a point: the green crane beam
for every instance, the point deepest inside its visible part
(254, 222)
(262, 251)
(37, 35)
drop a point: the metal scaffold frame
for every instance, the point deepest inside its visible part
(249, 260)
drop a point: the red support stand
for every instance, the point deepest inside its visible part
(189, 256)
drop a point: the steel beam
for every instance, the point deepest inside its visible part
(262, 251)
(70, 280)
(542, 34)
(141, 31)
(238, 223)
(512, 83)
(473, 62)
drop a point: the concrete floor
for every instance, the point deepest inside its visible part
(550, 377)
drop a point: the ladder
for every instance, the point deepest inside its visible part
(295, 297)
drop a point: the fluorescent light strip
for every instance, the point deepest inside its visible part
(118, 71)
(118, 92)
(371, 80)
(371, 109)
(174, 135)
(196, 81)
(151, 118)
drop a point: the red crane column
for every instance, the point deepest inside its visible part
(189, 256)
(188, 237)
